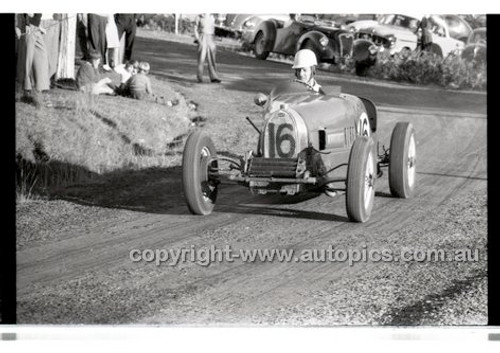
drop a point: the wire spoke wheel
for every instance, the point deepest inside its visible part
(361, 175)
(199, 184)
(402, 161)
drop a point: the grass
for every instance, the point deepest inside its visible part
(81, 137)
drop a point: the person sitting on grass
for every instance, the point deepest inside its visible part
(126, 71)
(88, 77)
(139, 86)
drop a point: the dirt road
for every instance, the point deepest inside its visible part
(81, 270)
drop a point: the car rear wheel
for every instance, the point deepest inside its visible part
(361, 174)
(199, 186)
(402, 160)
(260, 46)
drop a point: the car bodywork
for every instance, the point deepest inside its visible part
(330, 44)
(236, 25)
(399, 32)
(310, 142)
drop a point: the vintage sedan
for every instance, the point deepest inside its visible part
(310, 143)
(400, 32)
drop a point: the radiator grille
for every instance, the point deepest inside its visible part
(273, 167)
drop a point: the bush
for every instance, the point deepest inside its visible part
(165, 22)
(426, 68)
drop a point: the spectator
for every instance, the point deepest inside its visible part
(82, 33)
(126, 23)
(204, 29)
(139, 86)
(32, 60)
(126, 71)
(426, 35)
(88, 78)
(293, 17)
(97, 32)
(51, 24)
(113, 43)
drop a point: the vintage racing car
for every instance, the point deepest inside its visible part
(310, 142)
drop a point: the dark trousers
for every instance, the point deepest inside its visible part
(81, 32)
(125, 23)
(97, 34)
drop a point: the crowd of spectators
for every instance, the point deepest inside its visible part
(38, 48)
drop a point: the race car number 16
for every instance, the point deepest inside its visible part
(281, 140)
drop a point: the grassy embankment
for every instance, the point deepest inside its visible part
(81, 138)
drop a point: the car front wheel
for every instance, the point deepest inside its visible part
(402, 160)
(198, 166)
(361, 175)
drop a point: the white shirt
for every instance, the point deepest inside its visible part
(124, 74)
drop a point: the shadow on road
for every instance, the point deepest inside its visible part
(159, 191)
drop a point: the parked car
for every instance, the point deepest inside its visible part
(400, 32)
(250, 24)
(310, 143)
(233, 25)
(331, 44)
(475, 50)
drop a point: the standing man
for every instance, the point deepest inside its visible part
(82, 33)
(97, 32)
(126, 22)
(426, 35)
(50, 22)
(204, 29)
(32, 60)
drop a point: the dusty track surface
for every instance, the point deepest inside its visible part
(77, 269)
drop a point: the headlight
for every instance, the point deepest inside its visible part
(323, 41)
(392, 41)
(352, 29)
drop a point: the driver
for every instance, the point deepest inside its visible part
(304, 65)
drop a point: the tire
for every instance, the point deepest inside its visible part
(260, 45)
(200, 191)
(402, 159)
(361, 174)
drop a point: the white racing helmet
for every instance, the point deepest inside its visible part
(304, 58)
